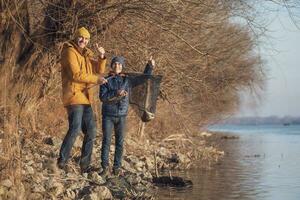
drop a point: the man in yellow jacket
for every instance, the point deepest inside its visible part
(80, 71)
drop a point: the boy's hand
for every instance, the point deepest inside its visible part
(151, 61)
(122, 93)
(101, 51)
(102, 80)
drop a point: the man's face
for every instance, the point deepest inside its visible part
(82, 42)
(117, 67)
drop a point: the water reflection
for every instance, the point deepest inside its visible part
(254, 167)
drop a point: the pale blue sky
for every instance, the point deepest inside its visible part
(282, 93)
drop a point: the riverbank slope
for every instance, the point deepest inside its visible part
(143, 159)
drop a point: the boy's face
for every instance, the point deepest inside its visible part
(117, 67)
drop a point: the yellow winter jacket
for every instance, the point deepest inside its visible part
(79, 72)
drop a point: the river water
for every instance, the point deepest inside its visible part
(263, 164)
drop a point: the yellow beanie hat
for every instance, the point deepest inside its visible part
(82, 32)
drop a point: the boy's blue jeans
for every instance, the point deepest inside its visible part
(108, 124)
(80, 117)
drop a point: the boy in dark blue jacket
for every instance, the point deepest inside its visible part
(115, 102)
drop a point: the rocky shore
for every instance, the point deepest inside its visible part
(143, 160)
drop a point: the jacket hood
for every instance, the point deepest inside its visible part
(85, 52)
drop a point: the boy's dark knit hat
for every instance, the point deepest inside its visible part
(119, 59)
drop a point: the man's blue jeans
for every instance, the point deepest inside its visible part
(108, 123)
(80, 117)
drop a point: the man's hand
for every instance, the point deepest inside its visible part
(101, 51)
(151, 61)
(102, 80)
(122, 93)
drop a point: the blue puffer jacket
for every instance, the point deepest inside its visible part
(112, 105)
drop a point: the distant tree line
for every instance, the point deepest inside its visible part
(271, 120)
